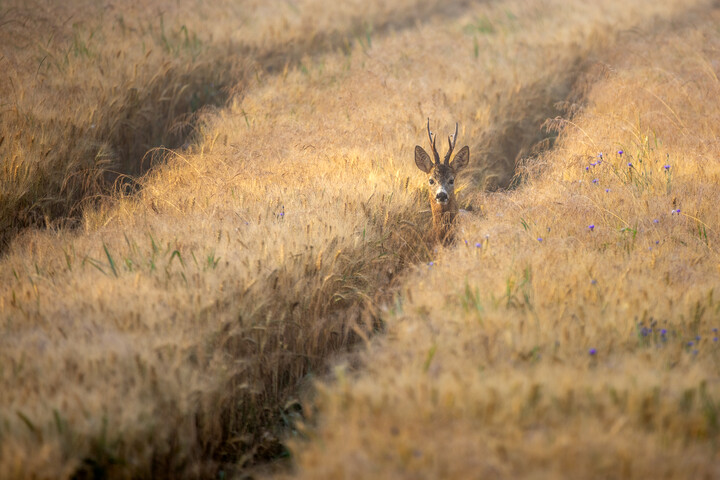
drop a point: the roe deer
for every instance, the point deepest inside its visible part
(441, 177)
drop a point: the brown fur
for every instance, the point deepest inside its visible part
(444, 218)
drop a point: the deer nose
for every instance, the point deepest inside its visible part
(441, 197)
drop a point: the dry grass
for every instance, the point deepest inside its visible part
(171, 334)
(89, 88)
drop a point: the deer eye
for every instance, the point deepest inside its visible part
(432, 182)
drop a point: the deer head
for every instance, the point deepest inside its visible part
(441, 176)
(441, 179)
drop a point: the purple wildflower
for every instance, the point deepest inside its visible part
(630, 164)
(539, 239)
(656, 221)
(592, 351)
(478, 244)
(663, 332)
(666, 167)
(620, 152)
(591, 227)
(595, 180)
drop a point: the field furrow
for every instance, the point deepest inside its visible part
(573, 331)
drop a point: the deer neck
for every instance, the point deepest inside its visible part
(443, 217)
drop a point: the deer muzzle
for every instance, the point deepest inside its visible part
(441, 197)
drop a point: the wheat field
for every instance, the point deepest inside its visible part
(217, 259)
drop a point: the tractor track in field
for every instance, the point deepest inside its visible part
(520, 116)
(518, 133)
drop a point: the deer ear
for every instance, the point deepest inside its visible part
(462, 158)
(422, 159)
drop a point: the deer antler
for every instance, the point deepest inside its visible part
(432, 143)
(451, 144)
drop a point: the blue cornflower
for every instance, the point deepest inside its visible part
(592, 351)
(478, 244)
(591, 227)
(539, 239)
(663, 332)
(630, 164)
(620, 152)
(607, 190)
(666, 167)
(595, 180)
